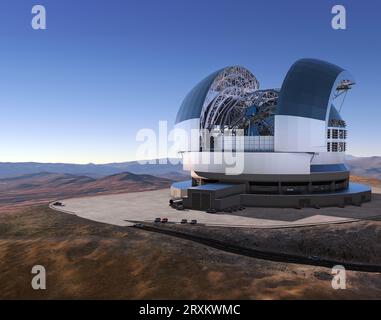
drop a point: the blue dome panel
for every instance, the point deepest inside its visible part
(191, 106)
(307, 88)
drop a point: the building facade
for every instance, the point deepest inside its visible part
(281, 147)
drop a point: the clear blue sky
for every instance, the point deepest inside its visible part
(80, 90)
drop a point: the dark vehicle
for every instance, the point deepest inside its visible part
(164, 220)
(138, 225)
(157, 220)
(314, 258)
(194, 222)
(175, 204)
(180, 207)
(212, 211)
(184, 221)
(57, 204)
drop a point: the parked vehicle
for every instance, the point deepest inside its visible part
(164, 220)
(314, 258)
(157, 220)
(175, 204)
(212, 211)
(184, 221)
(57, 204)
(194, 222)
(138, 225)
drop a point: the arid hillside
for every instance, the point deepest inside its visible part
(86, 259)
(369, 167)
(366, 180)
(43, 187)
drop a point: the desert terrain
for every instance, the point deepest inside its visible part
(85, 259)
(37, 188)
(90, 260)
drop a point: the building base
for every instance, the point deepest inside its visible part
(222, 196)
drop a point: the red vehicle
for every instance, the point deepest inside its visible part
(164, 220)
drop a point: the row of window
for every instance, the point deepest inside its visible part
(336, 146)
(251, 143)
(336, 134)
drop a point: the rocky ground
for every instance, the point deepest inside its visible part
(85, 259)
(358, 242)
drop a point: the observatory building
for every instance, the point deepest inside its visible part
(248, 146)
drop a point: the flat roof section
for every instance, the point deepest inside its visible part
(182, 185)
(214, 186)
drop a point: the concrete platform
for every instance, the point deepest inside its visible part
(124, 209)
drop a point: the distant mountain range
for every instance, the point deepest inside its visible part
(365, 166)
(46, 186)
(360, 166)
(31, 183)
(14, 169)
